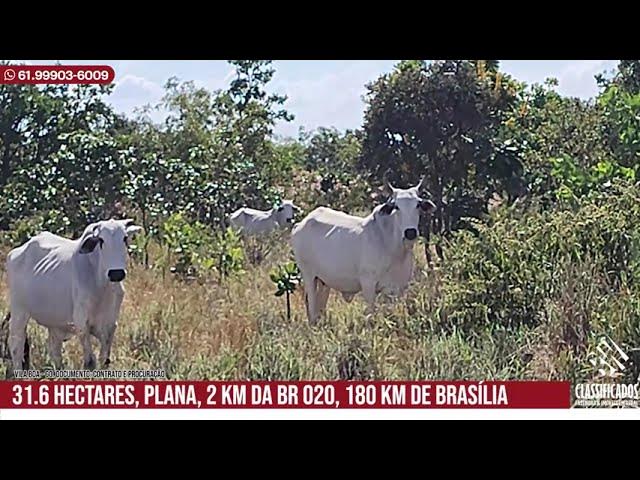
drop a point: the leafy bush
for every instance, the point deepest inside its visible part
(575, 181)
(228, 251)
(548, 126)
(186, 244)
(622, 112)
(508, 269)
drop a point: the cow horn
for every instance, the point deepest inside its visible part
(421, 183)
(387, 183)
(128, 222)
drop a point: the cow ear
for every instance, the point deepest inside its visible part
(133, 230)
(388, 208)
(427, 206)
(90, 244)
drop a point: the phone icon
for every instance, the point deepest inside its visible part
(9, 74)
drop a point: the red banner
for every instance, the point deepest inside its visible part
(259, 394)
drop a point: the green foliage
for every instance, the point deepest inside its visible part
(575, 182)
(514, 265)
(443, 120)
(214, 152)
(546, 126)
(229, 252)
(57, 151)
(328, 174)
(622, 114)
(287, 278)
(186, 245)
(192, 250)
(627, 77)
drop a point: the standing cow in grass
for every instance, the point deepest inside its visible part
(254, 222)
(69, 286)
(352, 254)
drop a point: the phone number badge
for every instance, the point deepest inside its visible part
(56, 74)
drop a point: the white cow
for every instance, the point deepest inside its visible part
(254, 222)
(352, 254)
(69, 286)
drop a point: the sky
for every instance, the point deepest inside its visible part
(325, 93)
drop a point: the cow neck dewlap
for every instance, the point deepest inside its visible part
(384, 225)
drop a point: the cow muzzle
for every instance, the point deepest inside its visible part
(410, 233)
(116, 275)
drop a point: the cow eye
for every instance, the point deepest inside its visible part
(126, 239)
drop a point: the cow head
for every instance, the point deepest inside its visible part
(404, 207)
(285, 212)
(106, 242)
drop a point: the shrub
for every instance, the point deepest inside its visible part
(185, 246)
(505, 271)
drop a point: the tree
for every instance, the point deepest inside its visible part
(213, 152)
(629, 75)
(57, 156)
(327, 170)
(550, 131)
(620, 101)
(442, 120)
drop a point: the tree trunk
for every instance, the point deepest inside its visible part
(220, 266)
(145, 246)
(5, 167)
(288, 307)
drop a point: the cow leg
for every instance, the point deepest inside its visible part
(108, 321)
(89, 359)
(323, 296)
(310, 298)
(18, 338)
(369, 294)
(54, 344)
(81, 321)
(106, 340)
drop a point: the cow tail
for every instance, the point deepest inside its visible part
(4, 337)
(26, 361)
(4, 342)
